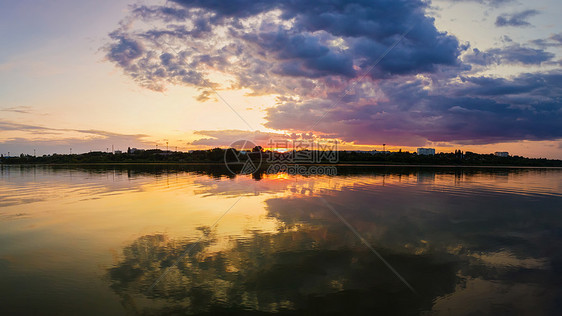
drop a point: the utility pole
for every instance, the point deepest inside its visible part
(71, 150)
(112, 150)
(34, 153)
(166, 145)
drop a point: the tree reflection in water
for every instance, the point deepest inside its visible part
(309, 269)
(464, 249)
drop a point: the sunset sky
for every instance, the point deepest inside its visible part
(478, 75)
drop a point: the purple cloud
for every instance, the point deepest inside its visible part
(280, 47)
(479, 110)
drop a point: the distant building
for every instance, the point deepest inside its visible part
(118, 152)
(501, 153)
(426, 151)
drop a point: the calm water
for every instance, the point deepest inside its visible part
(143, 240)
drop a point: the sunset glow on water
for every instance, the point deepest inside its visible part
(95, 239)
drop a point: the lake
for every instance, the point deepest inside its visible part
(157, 239)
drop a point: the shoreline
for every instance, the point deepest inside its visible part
(288, 164)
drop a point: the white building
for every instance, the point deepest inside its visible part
(501, 153)
(426, 151)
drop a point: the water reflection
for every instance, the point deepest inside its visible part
(469, 240)
(309, 270)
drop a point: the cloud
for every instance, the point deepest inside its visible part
(41, 139)
(478, 110)
(18, 109)
(554, 40)
(539, 86)
(482, 58)
(512, 54)
(277, 47)
(516, 19)
(309, 52)
(12, 126)
(125, 51)
(224, 138)
(492, 3)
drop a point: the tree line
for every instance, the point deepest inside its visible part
(220, 155)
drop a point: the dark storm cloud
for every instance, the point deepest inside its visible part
(512, 54)
(478, 110)
(303, 55)
(367, 27)
(547, 85)
(516, 19)
(277, 41)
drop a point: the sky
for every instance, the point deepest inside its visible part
(475, 75)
